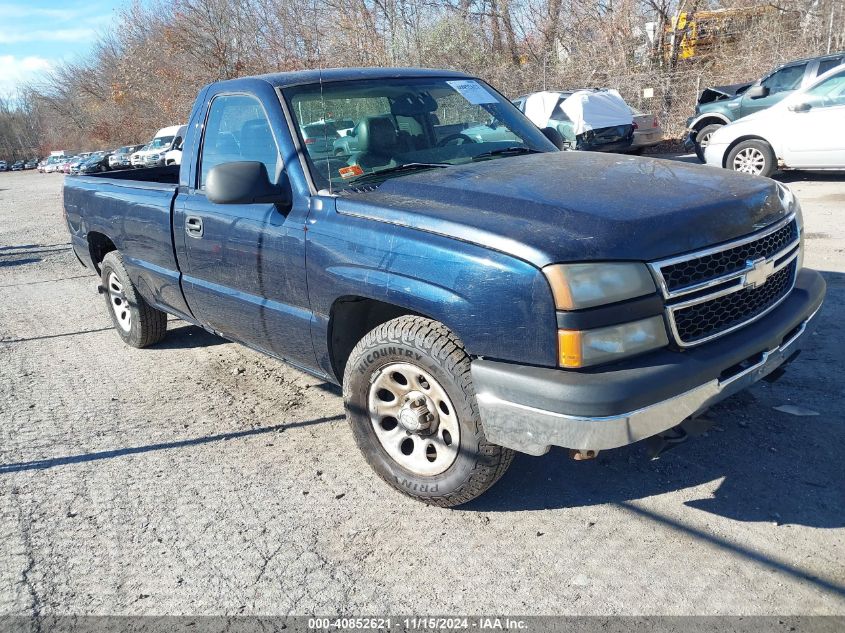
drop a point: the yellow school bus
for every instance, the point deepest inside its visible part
(699, 31)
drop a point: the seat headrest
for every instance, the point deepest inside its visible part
(376, 134)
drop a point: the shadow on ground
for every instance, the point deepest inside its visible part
(52, 462)
(188, 337)
(803, 176)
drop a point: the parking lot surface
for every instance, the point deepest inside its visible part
(199, 477)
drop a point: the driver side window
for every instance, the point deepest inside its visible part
(237, 130)
(788, 78)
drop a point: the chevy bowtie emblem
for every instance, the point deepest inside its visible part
(759, 271)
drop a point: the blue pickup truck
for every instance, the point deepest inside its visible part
(472, 297)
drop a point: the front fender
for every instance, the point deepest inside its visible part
(500, 306)
(695, 123)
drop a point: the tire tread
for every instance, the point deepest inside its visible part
(443, 345)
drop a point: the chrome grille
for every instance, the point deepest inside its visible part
(713, 265)
(712, 292)
(723, 313)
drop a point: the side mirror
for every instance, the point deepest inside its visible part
(554, 136)
(177, 144)
(246, 182)
(757, 92)
(801, 106)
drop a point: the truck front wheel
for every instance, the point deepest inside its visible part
(410, 402)
(136, 321)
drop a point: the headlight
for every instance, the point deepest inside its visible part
(581, 348)
(577, 286)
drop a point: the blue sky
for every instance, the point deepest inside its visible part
(36, 34)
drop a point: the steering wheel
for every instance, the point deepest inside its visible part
(456, 137)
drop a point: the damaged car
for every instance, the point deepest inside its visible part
(590, 120)
(721, 105)
(803, 131)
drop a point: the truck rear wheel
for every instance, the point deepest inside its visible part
(411, 404)
(702, 138)
(137, 322)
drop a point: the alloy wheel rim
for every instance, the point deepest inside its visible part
(413, 419)
(119, 304)
(749, 160)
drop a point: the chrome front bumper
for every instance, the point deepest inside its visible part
(533, 430)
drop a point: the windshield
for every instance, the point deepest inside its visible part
(161, 141)
(350, 129)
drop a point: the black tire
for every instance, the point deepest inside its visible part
(702, 137)
(756, 153)
(146, 325)
(430, 346)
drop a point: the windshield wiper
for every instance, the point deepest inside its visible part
(506, 151)
(398, 169)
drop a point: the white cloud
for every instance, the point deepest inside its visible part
(9, 36)
(17, 11)
(17, 70)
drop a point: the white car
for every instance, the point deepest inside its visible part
(804, 131)
(164, 141)
(174, 156)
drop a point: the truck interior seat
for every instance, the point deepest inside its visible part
(378, 142)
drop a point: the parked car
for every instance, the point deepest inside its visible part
(647, 131)
(164, 141)
(721, 105)
(96, 163)
(473, 299)
(806, 130)
(319, 137)
(137, 157)
(18, 166)
(31, 164)
(346, 144)
(587, 119)
(121, 156)
(3, 165)
(174, 156)
(73, 165)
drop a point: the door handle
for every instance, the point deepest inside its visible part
(193, 226)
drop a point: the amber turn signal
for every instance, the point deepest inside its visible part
(569, 348)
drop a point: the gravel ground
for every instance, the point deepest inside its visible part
(198, 477)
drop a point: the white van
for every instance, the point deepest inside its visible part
(165, 140)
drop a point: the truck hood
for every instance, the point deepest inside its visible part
(575, 206)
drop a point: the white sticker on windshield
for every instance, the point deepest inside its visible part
(473, 91)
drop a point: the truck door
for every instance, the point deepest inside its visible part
(814, 126)
(244, 274)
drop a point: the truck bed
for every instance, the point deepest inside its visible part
(132, 209)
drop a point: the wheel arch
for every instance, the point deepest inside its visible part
(99, 245)
(707, 119)
(350, 319)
